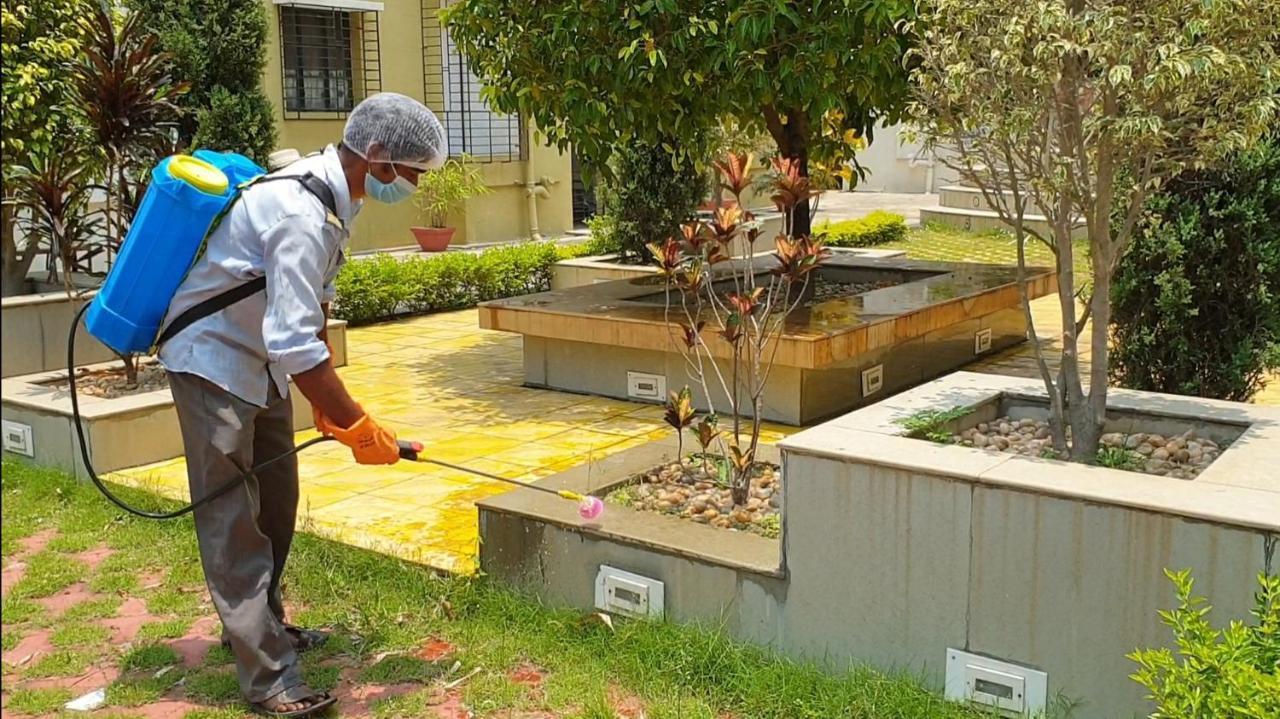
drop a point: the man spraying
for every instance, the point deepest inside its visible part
(229, 371)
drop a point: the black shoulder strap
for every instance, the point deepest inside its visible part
(223, 300)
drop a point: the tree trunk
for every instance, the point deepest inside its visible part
(130, 370)
(16, 261)
(740, 493)
(1095, 418)
(790, 133)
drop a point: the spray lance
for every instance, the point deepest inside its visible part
(187, 197)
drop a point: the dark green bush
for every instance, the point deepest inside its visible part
(1196, 299)
(383, 286)
(220, 48)
(648, 198)
(877, 228)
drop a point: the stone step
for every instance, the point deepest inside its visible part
(987, 221)
(970, 198)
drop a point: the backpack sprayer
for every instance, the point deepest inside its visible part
(186, 199)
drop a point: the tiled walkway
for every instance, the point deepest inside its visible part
(441, 380)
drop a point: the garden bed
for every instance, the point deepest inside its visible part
(910, 549)
(693, 490)
(124, 427)
(112, 382)
(594, 269)
(1181, 456)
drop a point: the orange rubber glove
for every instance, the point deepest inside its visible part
(369, 442)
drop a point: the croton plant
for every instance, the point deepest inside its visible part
(727, 313)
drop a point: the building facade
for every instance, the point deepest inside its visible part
(324, 56)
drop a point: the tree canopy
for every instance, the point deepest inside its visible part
(816, 75)
(219, 47)
(1079, 110)
(40, 38)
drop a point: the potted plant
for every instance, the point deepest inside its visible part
(441, 192)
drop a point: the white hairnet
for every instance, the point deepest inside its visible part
(408, 131)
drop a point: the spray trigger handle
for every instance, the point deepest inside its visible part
(409, 449)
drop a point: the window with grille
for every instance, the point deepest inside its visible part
(317, 60)
(475, 129)
(330, 57)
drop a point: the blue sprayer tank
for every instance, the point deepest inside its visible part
(186, 194)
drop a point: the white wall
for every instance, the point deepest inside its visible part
(896, 165)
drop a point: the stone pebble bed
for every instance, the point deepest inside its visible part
(692, 491)
(1180, 456)
(110, 383)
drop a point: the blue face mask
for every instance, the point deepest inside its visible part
(397, 190)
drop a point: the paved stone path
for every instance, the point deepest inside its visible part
(441, 380)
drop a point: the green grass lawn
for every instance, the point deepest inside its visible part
(384, 613)
(939, 243)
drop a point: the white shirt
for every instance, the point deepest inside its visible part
(281, 231)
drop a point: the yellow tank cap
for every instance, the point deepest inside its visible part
(199, 174)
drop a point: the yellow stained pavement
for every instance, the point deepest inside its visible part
(456, 388)
(441, 380)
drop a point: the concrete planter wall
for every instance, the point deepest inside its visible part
(895, 550)
(604, 268)
(123, 432)
(33, 333)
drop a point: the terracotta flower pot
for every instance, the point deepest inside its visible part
(433, 239)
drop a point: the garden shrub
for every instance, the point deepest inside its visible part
(1196, 299)
(370, 289)
(383, 286)
(1231, 673)
(877, 228)
(604, 236)
(648, 197)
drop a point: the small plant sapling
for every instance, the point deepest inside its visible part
(730, 313)
(680, 414)
(707, 431)
(932, 424)
(1120, 458)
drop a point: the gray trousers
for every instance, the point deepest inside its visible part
(244, 535)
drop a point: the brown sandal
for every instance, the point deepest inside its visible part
(316, 702)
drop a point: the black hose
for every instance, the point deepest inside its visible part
(102, 487)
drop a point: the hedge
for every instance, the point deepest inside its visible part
(877, 228)
(384, 287)
(1196, 299)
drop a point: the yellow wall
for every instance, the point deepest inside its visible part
(500, 216)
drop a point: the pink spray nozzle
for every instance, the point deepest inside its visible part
(590, 507)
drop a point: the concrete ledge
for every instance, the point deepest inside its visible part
(33, 334)
(595, 269)
(896, 549)
(644, 531)
(122, 432)
(1236, 490)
